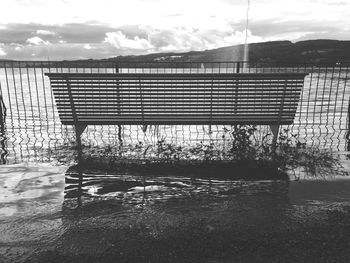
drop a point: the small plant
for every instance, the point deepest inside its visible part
(243, 146)
(239, 145)
(168, 151)
(291, 155)
(204, 152)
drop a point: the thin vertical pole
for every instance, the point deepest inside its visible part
(246, 47)
(211, 105)
(144, 126)
(236, 87)
(348, 130)
(118, 105)
(343, 100)
(3, 152)
(238, 64)
(348, 117)
(2, 114)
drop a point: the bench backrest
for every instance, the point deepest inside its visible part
(210, 98)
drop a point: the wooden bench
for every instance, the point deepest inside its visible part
(176, 99)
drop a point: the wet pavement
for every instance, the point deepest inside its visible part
(61, 214)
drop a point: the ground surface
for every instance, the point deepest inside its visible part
(46, 217)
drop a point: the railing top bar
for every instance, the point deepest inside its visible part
(124, 61)
(97, 63)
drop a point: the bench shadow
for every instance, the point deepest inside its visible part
(124, 216)
(138, 184)
(95, 180)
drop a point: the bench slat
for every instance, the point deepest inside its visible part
(83, 108)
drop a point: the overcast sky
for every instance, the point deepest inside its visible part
(73, 29)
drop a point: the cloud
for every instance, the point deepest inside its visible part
(186, 39)
(177, 39)
(55, 52)
(288, 29)
(2, 52)
(37, 41)
(120, 41)
(71, 33)
(88, 47)
(340, 3)
(82, 33)
(45, 32)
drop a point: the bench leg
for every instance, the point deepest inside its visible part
(144, 128)
(79, 129)
(275, 129)
(120, 134)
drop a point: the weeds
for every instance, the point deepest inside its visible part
(238, 145)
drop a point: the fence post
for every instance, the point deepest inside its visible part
(2, 115)
(238, 69)
(238, 65)
(118, 105)
(3, 151)
(347, 136)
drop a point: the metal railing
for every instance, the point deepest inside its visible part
(33, 132)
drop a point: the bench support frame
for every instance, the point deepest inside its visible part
(79, 129)
(275, 130)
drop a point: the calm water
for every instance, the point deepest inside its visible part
(48, 213)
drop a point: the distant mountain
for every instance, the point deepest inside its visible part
(310, 51)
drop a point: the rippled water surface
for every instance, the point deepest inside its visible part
(62, 214)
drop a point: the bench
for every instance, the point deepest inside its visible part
(176, 99)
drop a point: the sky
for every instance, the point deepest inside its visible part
(83, 29)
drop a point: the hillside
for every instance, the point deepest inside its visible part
(310, 51)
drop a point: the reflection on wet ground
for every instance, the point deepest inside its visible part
(60, 214)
